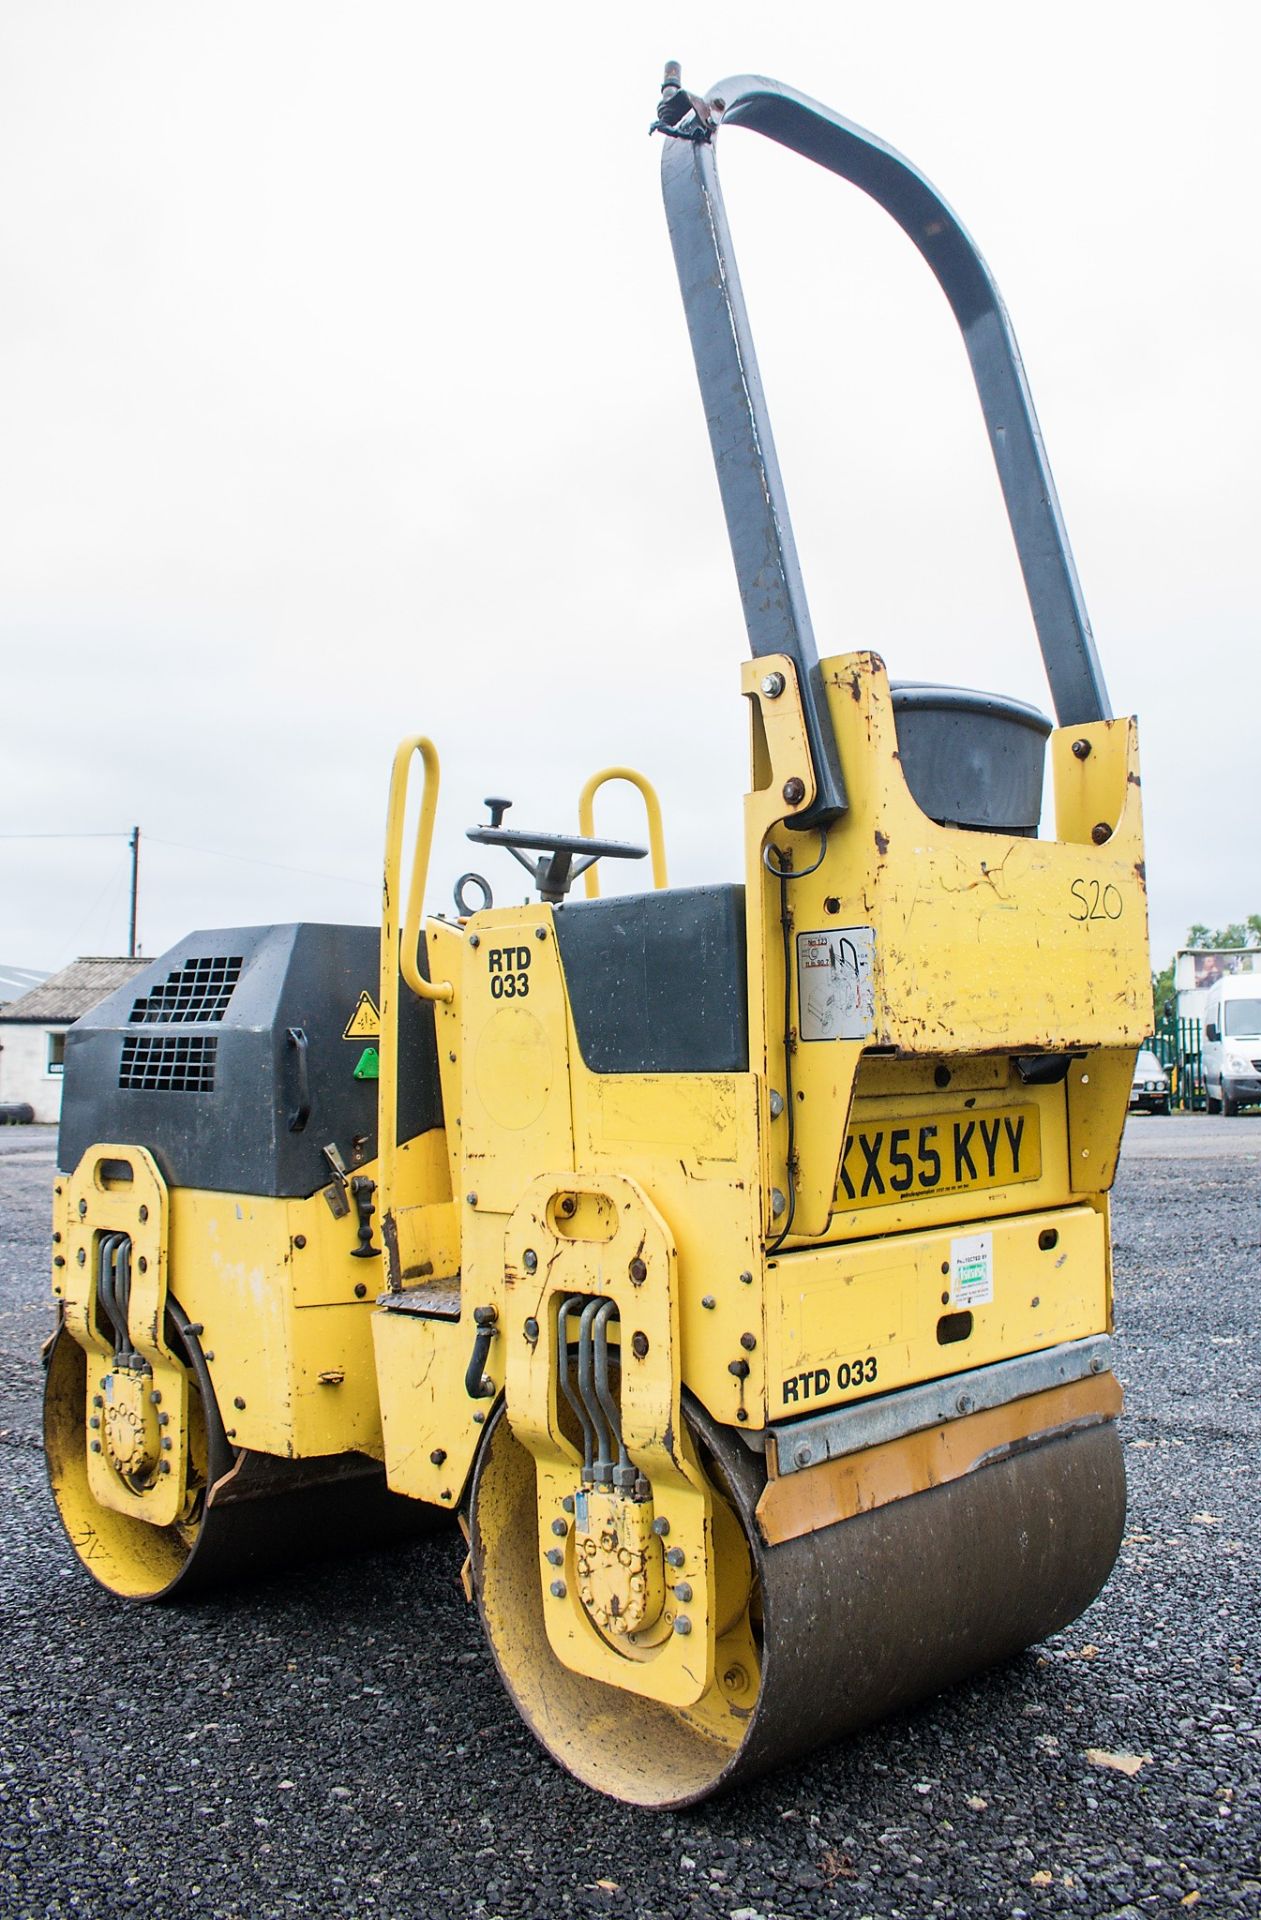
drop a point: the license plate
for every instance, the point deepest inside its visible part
(886, 1161)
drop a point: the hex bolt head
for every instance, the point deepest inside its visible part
(568, 1503)
(1100, 833)
(97, 1400)
(638, 1271)
(773, 685)
(1081, 749)
(299, 1241)
(661, 1526)
(530, 1260)
(682, 1624)
(778, 1202)
(471, 1198)
(802, 1456)
(639, 1345)
(1096, 1364)
(794, 790)
(709, 1301)
(474, 940)
(746, 1279)
(531, 1329)
(95, 1422)
(239, 1404)
(83, 1207)
(81, 1257)
(683, 1591)
(361, 1293)
(164, 1466)
(164, 1419)
(156, 1397)
(438, 1455)
(965, 1403)
(777, 1104)
(675, 1556)
(748, 1341)
(96, 1446)
(555, 1556)
(540, 933)
(560, 1528)
(167, 1443)
(558, 1589)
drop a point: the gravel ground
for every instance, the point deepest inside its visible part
(338, 1743)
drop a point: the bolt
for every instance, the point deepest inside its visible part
(94, 1422)
(803, 1456)
(682, 1624)
(747, 1279)
(360, 1291)
(167, 1443)
(741, 1414)
(96, 1446)
(239, 1404)
(530, 1260)
(531, 1330)
(143, 1264)
(560, 1528)
(661, 1526)
(555, 1556)
(945, 1266)
(748, 1341)
(474, 940)
(299, 1241)
(438, 1455)
(709, 1301)
(740, 1368)
(97, 1400)
(1096, 1364)
(83, 1207)
(639, 1345)
(479, 1418)
(81, 1257)
(778, 1202)
(773, 685)
(941, 1076)
(558, 1589)
(675, 1556)
(777, 1104)
(568, 1503)
(164, 1419)
(540, 933)
(144, 1215)
(155, 1398)
(965, 1403)
(945, 1299)
(471, 1198)
(638, 1271)
(1101, 833)
(164, 1466)
(794, 791)
(1081, 749)
(683, 1591)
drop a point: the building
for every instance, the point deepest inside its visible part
(33, 1029)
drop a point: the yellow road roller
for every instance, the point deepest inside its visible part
(732, 1259)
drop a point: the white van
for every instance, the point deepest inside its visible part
(1232, 1042)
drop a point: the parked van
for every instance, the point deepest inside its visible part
(1232, 1043)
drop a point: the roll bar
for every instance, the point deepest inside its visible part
(775, 610)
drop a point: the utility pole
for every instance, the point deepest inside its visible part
(134, 844)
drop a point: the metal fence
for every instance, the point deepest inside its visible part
(1177, 1045)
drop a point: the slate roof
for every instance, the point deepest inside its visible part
(78, 987)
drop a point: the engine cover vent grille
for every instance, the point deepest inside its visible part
(176, 1063)
(199, 990)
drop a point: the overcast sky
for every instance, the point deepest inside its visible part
(345, 392)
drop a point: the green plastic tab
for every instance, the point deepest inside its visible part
(369, 1067)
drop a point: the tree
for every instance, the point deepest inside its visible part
(1240, 933)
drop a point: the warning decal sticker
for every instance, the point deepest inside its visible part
(365, 1022)
(835, 983)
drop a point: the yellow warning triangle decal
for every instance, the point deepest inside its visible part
(365, 1022)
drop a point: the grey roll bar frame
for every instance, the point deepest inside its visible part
(776, 612)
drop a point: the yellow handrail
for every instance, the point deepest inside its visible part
(652, 807)
(399, 780)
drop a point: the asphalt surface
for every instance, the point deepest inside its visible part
(337, 1742)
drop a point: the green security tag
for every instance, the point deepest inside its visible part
(369, 1067)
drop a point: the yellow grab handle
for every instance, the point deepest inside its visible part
(399, 778)
(652, 807)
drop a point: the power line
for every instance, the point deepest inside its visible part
(251, 860)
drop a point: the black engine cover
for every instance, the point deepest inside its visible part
(193, 1059)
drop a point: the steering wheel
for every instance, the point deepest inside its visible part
(561, 856)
